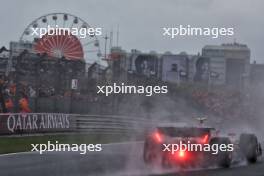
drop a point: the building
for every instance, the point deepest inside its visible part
(167, 67)
(4, 55)
(226, 64)
(256, 74)
(229, 64)
(143, 64)
(174, 67)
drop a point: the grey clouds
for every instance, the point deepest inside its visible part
(141, 22)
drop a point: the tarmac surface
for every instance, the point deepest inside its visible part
(121, 159)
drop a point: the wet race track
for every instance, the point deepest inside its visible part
(115, 160)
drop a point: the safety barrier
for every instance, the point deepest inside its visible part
(38, 123)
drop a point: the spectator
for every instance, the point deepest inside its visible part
(24, 105)
(9, 105)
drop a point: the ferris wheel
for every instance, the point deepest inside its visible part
(65, 43)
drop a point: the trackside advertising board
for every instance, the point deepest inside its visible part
(23, 123)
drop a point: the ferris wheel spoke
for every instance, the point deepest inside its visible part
(64, 42)
(64, 23)
(56, 40)
(48, 43)
(73, 42)
(76, 55)
(53, 40)
(45, 45)
(79, 53)
(72, 25)
(60, 38)
(70, 46)
(74, 49)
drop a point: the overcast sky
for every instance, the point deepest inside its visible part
(141, 21)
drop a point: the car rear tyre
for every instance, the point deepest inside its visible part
(222, 158)
(165, 162)
(248, 144)
(149, 153)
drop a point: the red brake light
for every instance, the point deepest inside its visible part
(181, 154)
(157, 137)
(205, 138)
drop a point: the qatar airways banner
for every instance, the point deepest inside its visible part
(35, 123)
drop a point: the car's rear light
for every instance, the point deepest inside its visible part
(181, 154)
(157, 137)
(205, 139)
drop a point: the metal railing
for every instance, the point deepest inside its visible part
(111, 124)
(39, 123)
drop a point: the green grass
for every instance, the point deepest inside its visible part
(23, 143)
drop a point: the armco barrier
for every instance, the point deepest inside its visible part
(111, 124)
(38, 123)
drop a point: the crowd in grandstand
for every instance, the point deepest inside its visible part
(9, 97)
(221, 102)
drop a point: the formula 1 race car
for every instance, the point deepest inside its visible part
(162, 147)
